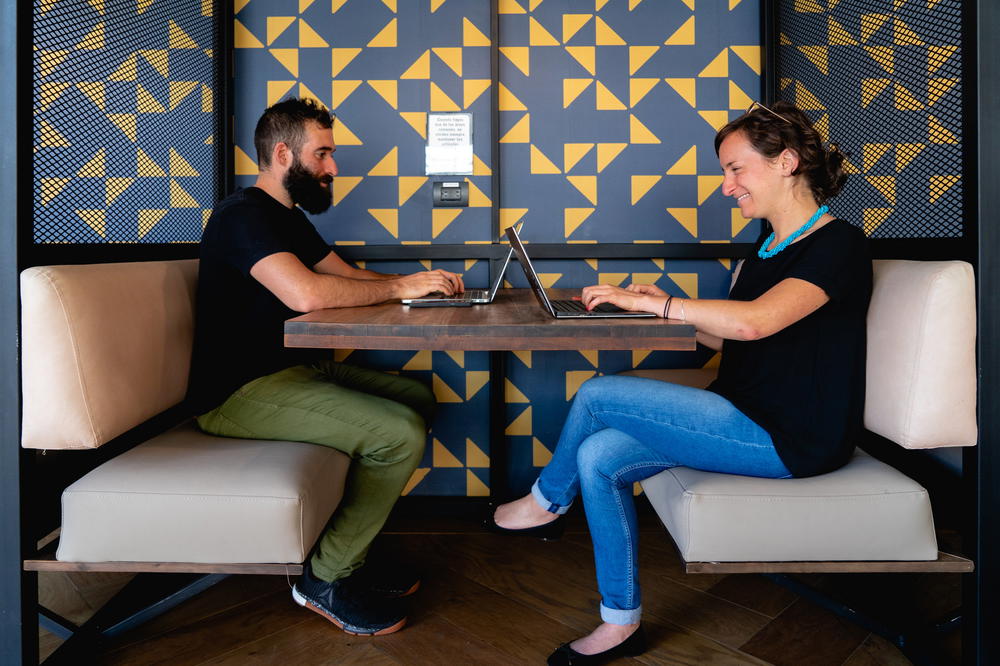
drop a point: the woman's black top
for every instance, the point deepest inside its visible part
(805, 384)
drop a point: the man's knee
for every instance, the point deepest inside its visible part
(406, 436)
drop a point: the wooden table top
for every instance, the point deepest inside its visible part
(513, 322)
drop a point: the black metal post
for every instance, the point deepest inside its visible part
(982, 594)
(18, 590)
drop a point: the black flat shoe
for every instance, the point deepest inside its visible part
(632, 646)
(550, 531)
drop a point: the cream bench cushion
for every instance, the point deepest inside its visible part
(921, 383)
(185, 496)
(865, 510)
(106, 347)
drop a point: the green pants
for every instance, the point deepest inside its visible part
(379, 420)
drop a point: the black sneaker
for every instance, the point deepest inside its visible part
(388, 578)
(350, 604)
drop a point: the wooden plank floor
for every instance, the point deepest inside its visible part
(488, 599)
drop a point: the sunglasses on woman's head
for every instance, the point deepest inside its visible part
(757, 105)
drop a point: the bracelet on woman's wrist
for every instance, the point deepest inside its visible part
(666, 306)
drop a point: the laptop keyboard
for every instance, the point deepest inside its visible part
(577, 306)
(467, 295)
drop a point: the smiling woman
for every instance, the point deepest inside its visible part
(788, 398)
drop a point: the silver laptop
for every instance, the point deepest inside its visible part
(561, 309)
(467, 297)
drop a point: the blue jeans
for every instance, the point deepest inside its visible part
(623, 429)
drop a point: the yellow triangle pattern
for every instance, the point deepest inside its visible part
(707, 185)
(685, 88)
(474, 456)
(94, 168)
(178, 39)
(388, 165)
(387, 90)
(388, 218)
(277, 89)
(574, 379)
(519, 56)
(440, 100)
(342, 186)
(340, 90)
(688, 282)
(474, 381)
(573, 218)
(874, 217)
(586, 56)
(145, 167)
(51, 187)
(417, 120)
(684, 35)
(179, 198)
(939, 185)
(289, 59)
(441, 218)
(386, 38)
(639, 133)
(473, 36)
(443, 392)
(639, 88)
(147, 219)
(419, 361)
(341, 58)
(641, 185)
(520, 132)
(886, 185)
(540, 455)
(538, 35)
(639, 56)
(738, 222)
(520, 425)
(573, 153)
(571, 24)
(244, 164)
(408, 185)
(513, 394)
(277, 25)
(540, 164)
(418, 475)
(604, 35)
(179, 90)
(572, 88)
(473, 486)
(451, 56)
(477, 198)
(718, 67)
(687, 165)
(606, 100)
(750, 55)
(508, 218)
(442, 457)
(508, 101)
(607, 152)
(688, 218)
(836, 35)
(95, 218)
(587, 185)
(472, 89)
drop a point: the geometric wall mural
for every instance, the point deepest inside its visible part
(608, 112)
(884, 81)
(125, 119)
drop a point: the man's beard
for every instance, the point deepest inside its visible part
(306, 189)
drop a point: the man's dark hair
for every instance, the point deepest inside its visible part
(285, 122)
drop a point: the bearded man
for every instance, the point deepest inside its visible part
(263, 262)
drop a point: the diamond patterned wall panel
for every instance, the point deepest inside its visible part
(125, 115)
(884, 81)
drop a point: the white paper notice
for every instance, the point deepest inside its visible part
(449, 144)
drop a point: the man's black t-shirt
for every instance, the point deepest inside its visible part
(239, 327)
(805, 385)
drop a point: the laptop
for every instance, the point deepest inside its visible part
(467, 297)
(562, 309)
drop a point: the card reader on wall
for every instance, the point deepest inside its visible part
(451, 193)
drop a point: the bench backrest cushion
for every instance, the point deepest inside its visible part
(104, 347)
(921, 379)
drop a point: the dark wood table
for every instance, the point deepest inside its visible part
(513, 322)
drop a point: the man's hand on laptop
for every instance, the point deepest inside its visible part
(420, 284)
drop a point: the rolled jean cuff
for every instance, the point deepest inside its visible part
(546, 504)
(616, 616)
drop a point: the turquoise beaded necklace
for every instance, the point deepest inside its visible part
(764, 253)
